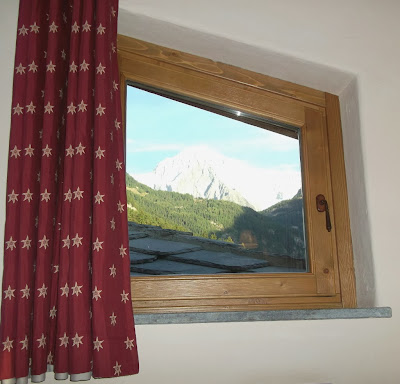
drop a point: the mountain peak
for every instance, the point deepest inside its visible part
(198, 171)
(203, 172)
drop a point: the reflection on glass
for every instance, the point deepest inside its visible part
(208, 194)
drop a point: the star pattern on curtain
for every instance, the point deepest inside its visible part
(66, 279)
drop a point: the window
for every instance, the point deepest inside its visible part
(327, 279)
(231, 180)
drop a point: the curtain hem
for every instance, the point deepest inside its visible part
(85, 376)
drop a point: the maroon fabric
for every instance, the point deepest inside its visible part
(66, 286)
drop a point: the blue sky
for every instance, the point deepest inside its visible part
(158, 128)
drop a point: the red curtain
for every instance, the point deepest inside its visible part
(66, 286)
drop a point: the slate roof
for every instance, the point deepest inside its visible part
(157, 251)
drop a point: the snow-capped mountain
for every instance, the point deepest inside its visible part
(203, 172)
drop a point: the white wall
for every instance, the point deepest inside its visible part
(321, 44)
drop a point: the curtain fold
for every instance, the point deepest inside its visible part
(66, 285)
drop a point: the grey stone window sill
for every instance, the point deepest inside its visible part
(154, 250)
(280, 315)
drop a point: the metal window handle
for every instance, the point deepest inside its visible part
(322, 206)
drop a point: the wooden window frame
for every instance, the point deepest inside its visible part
(330, 282)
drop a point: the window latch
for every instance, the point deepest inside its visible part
(322, 206)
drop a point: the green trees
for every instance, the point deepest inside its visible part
(275, 231)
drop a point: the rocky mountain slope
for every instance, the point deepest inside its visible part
(205, 173)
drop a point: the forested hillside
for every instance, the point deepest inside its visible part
(287, 212)
(217, 219)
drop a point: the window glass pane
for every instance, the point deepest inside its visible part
(210, 194)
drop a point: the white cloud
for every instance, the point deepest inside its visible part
(134, 147)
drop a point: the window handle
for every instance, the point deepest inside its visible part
(322, 206)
